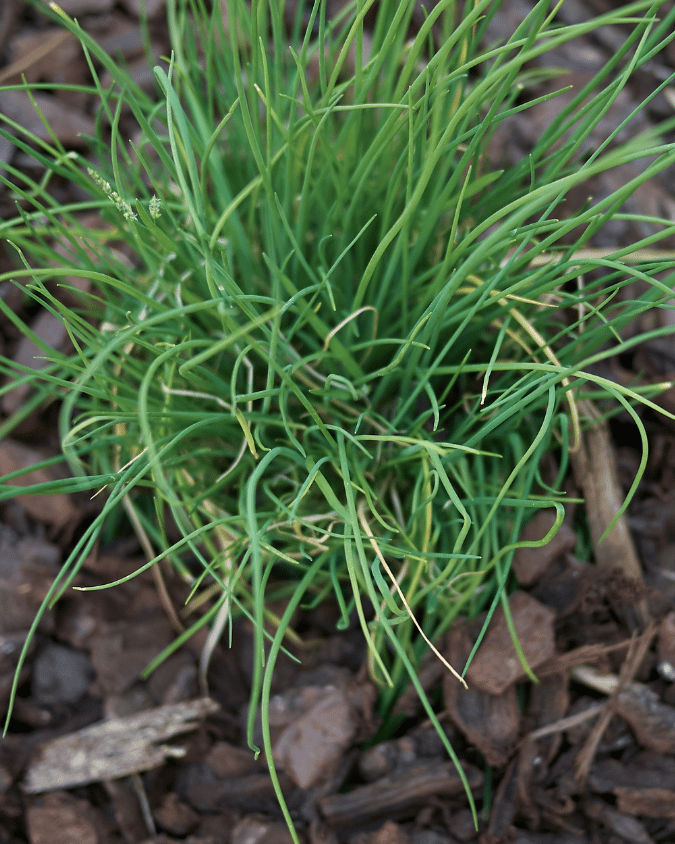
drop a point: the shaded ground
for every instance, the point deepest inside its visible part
(586, 755)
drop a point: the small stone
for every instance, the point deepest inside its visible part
(61, 675)
(27, 571)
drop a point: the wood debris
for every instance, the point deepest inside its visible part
(114, 748)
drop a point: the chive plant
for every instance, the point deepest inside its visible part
(326, 342)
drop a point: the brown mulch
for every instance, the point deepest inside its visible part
(96, 755)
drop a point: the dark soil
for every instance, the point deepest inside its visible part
(96, 755)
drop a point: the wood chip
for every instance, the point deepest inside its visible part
(36, 55)
(652, 722)
(56, 509)
(666, 647)
(52, 330)
(114, 748)
(496, 666)
(595, 469)
(530, 564)
(394, 796)
(650, 802)
(624, 826)
(490, 722)
(68, 124)
(312, 747)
